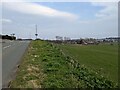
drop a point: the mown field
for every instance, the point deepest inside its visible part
(102, 58)
(46, 65)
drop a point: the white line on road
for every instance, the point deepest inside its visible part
(6, 46)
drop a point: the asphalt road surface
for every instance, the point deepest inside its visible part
(12, 52)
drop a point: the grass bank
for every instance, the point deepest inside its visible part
(46, 66)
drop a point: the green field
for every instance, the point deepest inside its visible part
(47, 65)
(102, 58)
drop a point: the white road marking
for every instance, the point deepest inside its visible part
(6, 46)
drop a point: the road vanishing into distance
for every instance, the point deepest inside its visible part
(12, 52)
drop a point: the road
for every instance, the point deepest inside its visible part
(12, 52)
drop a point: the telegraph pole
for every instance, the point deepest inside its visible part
(36, 31)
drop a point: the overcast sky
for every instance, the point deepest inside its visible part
(71, 19)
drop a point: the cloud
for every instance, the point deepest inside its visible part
(35, 9)
(50, 27)
(110, 9)
(12, 0)
(4, 20)
(102, 1)
(61, 0)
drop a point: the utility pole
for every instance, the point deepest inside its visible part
(36, 31)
